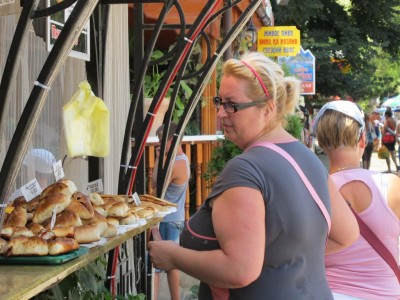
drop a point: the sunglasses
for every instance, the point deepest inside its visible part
(232, 107)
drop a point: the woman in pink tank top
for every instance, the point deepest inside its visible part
(359, 272)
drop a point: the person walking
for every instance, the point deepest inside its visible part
(371, 139)
(172, 224)
(273, 212)
(388, 138)
(359, 271)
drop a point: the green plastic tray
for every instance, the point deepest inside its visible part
(43, 260)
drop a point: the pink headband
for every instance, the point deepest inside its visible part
(258, 78)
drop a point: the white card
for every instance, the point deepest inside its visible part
(53, 217)
(94, 187)
(31, 190)
(58, 170)
(136, 199)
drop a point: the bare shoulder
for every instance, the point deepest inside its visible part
(393, 193)
(179, 172)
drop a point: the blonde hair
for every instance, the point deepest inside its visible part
(284, 91)
(335, 129)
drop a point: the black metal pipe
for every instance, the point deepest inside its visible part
(170, 73)
(135, 115)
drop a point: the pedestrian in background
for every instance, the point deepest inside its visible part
(388, 138)
(260, 234)
(172, 224)
(359, 272)
(371, 139)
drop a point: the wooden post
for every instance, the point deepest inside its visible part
(150, 155)
(187, 150)
(199, 163)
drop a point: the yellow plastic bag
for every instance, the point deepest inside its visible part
(383, 152)
(86, 124)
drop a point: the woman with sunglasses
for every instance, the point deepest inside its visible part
(260, 234)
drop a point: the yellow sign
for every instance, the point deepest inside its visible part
(279, 41)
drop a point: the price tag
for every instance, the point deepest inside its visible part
(136, 199)
(31, 190)
(94, 187)
(58, 170)
(53, 217)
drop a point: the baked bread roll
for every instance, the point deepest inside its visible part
(24, 245)
(150, 198)
(68, 232)
(70, 183)
(130, 219)
(35, 228)
(57, 187)
(112, 220)
(21, 231)
(47, 235)
(61, 245)
(18, 217)
(100, 210)
(144, 213)
(111, 231)
(81, 205)
(3, 246)
(6, 232)
(96, 199)
(118, 209)
(20, 202)
(87, 234)
(97, 217)
(100, 226)
(65, 218)
(44, 210)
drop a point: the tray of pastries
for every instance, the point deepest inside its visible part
(59, 222)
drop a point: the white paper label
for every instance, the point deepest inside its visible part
(94, 187)
(53, 217)
(58, 170)
(136, 199)
(31, 190)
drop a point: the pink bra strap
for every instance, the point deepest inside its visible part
(302, 175)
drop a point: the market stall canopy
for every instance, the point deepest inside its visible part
(392, 102)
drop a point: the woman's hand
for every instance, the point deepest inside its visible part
(161, 254)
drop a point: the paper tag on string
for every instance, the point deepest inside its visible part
(94, 187)
(136, 199)
(31, 190)
(53, 217)
(58, 170)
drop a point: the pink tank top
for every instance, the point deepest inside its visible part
(358, 270)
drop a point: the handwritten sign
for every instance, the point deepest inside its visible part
(31, 190)
(279, 40)
(94, 187)
(58, 170)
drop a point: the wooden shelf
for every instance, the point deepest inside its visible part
(24, 282)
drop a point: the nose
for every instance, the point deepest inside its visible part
(221, 113)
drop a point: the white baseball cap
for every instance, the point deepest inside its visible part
(345, 107)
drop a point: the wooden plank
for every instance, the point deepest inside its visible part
(24, 282)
